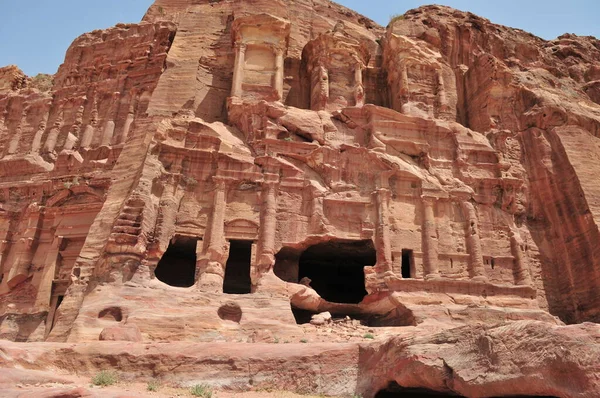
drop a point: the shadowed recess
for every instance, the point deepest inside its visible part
(237, 270)
(177, 267)
(336, 269)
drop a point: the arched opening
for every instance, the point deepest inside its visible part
(111, 314)
(177, 267)
(335, 269)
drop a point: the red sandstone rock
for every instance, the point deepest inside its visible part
(222, 171)
(129, 332)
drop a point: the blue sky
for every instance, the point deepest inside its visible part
(36, 33)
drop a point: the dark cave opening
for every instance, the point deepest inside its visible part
(394, 390)
(177, 267)
(237, 270)
(302, 316)
(336, 269)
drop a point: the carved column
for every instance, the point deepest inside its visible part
(473, 238)
(238, 69)
(24, 247)
(74, 135)
(382, 238)
(211, 264)
(88, 134)
(268, 227)
(44, 294)
(3, 117)
(279, 68)
(53, 135)
(404, 90)
(521, 268)
(442, 100)
(16, 138)
(322, 96)
(317, 215)
(109, 127)
(359, 89)
(169, 206)
(36, 145)
(429, 240)
(128, 121)
(5, 232)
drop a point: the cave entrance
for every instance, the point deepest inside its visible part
(394, 390)
(177, 267)
(237, 270)
(336, 269)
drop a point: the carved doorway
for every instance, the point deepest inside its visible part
(237, 270)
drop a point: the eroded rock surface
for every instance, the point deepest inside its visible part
(225, 170)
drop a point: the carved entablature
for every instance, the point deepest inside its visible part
(334, 64)
(260, 43)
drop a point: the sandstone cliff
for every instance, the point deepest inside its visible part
(224, 170)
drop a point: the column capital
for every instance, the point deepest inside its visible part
(241, 46)
(383, 192)
(270, 179)
(429, 200)
(221, 182)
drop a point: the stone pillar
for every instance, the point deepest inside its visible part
(323, 87)
(211, 264)
(24, 247)
(3, 117)
(75, 134)
(128, 121)
(403, 93)
(238, 69)
(53, 135)
(44, 294)
(382, 237)
(473, 239)
(317, 213)
(109, 127)
(5, 231)
(13, 147)
(169, 205)
(36, 145)
(88, 134)
(429, 240)
(359, 90)
(279, 69)
(521, 268)
(442, 100)
(107, 135)
(268, 227)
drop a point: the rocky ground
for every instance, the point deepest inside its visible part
(523, 358)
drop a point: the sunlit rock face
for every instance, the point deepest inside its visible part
(225, 169)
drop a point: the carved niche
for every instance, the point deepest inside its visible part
(260, 42)
(334, 65)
